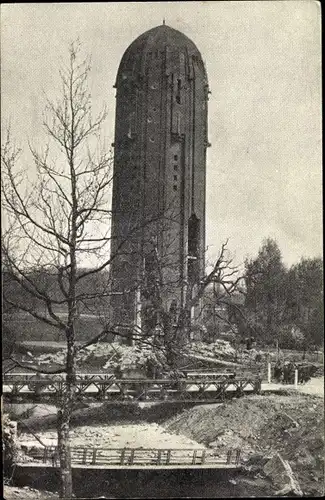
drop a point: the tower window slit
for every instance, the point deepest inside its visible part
(178, 94)
(193, 248)
(175, 167)
(175, 187)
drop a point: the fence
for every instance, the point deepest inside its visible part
(136, 456)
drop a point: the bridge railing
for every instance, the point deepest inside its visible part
(136, 456)
(54, 377)
(124, 389)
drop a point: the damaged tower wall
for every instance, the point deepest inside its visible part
(159, 168)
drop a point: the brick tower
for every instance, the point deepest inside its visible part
(158, 211)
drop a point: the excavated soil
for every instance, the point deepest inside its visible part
(292, 425)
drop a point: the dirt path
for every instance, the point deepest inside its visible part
(315, 386)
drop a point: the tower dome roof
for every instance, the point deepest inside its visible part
(155, 39)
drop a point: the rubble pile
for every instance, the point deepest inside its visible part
(291, 425)
(282, 476)
(130, 357)
(299, 437)
(220, 348)
(107, 356)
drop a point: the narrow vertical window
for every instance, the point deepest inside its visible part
(178, 93)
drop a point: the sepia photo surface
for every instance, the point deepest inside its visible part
(162, 268)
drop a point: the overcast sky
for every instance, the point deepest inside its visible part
(264, 174)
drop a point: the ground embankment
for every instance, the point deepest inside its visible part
(292, 425)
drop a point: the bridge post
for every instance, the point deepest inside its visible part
(296, 379)
(203, 457)
(257, 386)
(223, 392)
(122, 458)
(240, 390)
(94, 456)
(163, 393)
(159, 457)
(238, 453)
(194, 457)
(168, 457)
(269, 373)
(229, 454)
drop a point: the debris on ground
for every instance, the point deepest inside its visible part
(282, 477)
(108, 356)
(292, 425)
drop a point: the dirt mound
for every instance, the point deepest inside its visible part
(292, 425)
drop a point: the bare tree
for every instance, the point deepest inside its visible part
(59, 220)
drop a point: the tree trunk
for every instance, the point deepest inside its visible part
(64, 416)
(66, 489)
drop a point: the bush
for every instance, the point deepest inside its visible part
(291, 337)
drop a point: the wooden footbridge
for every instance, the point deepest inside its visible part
(209, 387)
(141, 458)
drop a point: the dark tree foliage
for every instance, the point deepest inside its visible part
(284, 305)
(305, 299)
(266, 291)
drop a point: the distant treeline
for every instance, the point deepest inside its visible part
(46, 281)
(283, 304)
(275, 304)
